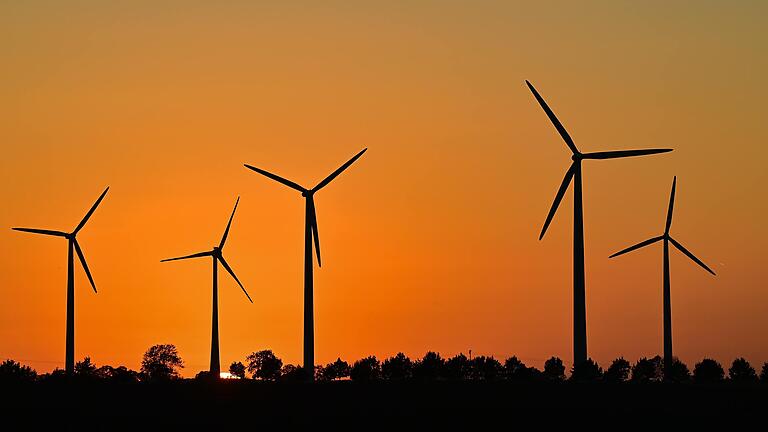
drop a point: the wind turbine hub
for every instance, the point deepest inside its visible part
(308, 193)
(577, 157)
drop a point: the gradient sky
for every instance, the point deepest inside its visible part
(429, 241)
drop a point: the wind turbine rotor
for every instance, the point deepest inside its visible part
(559, 197)
(90, 212)
(671, 207)
(622, 153)
(229, 224)
(553, 118)
(232, 273)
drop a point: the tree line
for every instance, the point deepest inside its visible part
(163, 363)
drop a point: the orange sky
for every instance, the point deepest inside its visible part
(429, 241)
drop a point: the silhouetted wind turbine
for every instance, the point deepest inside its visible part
(574, 174)
(310, 231)
(69, 358)
(667, 239)
(215, 253)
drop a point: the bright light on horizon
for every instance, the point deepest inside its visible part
(227, 375)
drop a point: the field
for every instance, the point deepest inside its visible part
(230, 404)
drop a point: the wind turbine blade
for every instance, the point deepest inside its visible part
(671, 206)
(690, 255)
(623, 153)
(90, 212)
(229, 270)
(197, 255)
(85, 266)
(313, 227)
(41, 231)
(226, 231)
(553, 119)
(558, 198)
(336, 173)
(276, 178)
(637, 246)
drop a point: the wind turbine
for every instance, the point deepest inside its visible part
(574, 174)
(310, 232)
(667, 239)
(69, 358)
(218, 257)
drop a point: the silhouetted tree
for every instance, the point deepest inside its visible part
(205, 376)
(319, 371)
(516, 370)
(554, 370)
(367, 369)
(647, 370)
(764, 374)
(485, 368)
(513, 368)
(292, 373)
(618, 371)
(237, 369)
(104, 372)
(533, 374)
(264, 365)
(55, 375)
(456, 368)
(161, 362)
(430, 367)
(678, 372)
(12, 371)
(120, 374)
(742, 372)
(708, 371)
(396, 368)
(586, 371)
(336, 370)
(85, 368)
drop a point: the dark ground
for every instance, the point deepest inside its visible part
(230, 405)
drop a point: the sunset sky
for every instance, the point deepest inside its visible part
(430, 240)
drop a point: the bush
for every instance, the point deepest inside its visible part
(586, 371)
(708, 371)
(554, 370)
(396, 368)
(618, 371)
(742, 372)
(366, 370)
(264, 365)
